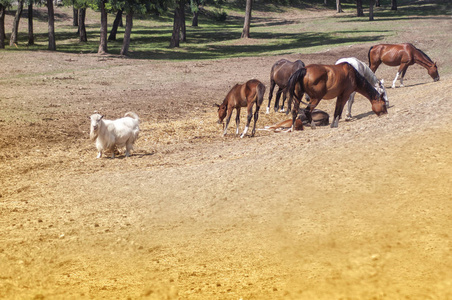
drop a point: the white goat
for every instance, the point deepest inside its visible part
(112, 134)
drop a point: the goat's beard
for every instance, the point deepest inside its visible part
(93, 134)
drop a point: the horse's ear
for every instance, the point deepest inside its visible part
(216, 105)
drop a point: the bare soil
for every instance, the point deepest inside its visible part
(358, 212)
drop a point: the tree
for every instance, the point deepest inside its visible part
(338, 6)
(74, 14)
(13, 38)
(393, 4)
(31, 38)
(194, 5)
(116, 22)
(128, 31)
(371, 10)
(2, 24)
(247, 23)
(179, 18)
(103, 28)
(51, 16)
(81, 25)
(359, 8)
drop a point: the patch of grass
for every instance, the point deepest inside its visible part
(271, 32)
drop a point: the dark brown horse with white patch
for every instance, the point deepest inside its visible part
(279, 75)
(328, 82)
(242, 95)
(402, 55)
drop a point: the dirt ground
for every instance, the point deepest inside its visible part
(358, 212)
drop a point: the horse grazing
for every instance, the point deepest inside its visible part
(365, 71)
(402, 55)
(242, 95)
(330, 81)
(319, 117)
(279, 75)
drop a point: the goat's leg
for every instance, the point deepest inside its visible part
(99, 154)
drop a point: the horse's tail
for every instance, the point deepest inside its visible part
(297, 76)
(368, 54)
(260, 93)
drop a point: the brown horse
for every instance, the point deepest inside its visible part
(242, 95)
(279, 75)
(330, 81)
(402, 55)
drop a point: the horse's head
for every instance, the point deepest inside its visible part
(433, 72)
(379, 106)
(222, 111)
(380, 87)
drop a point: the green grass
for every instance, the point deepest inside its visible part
(271, 34)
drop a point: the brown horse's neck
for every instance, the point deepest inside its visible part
(422, 59)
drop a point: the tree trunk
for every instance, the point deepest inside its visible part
(194, 21)
(126, 42)
(393, 4)
(114, 29)
(377, 3)
(183, 31)
(371, 10)
(103, 29)
(81, 25)
(2, 26)
(14, 33)
(175, 38)
(52, 44)
(324, 2)
(31, 37)
(74, 16)
(359, 8)
(338, 6)
(247, 23)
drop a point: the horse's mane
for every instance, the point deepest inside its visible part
(364, 85)
(226, 99)
(423, 53)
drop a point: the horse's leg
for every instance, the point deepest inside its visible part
(248, 119)
(256, 117)
(308, 111)
(228, 118)
(284, 101)
(401, 71)
(278, 96)
(270, 96)
(237, 120)
(403, 74)
(350, 101)
(340, 103)
(296, 107)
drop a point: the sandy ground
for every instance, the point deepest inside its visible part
(358, 212)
